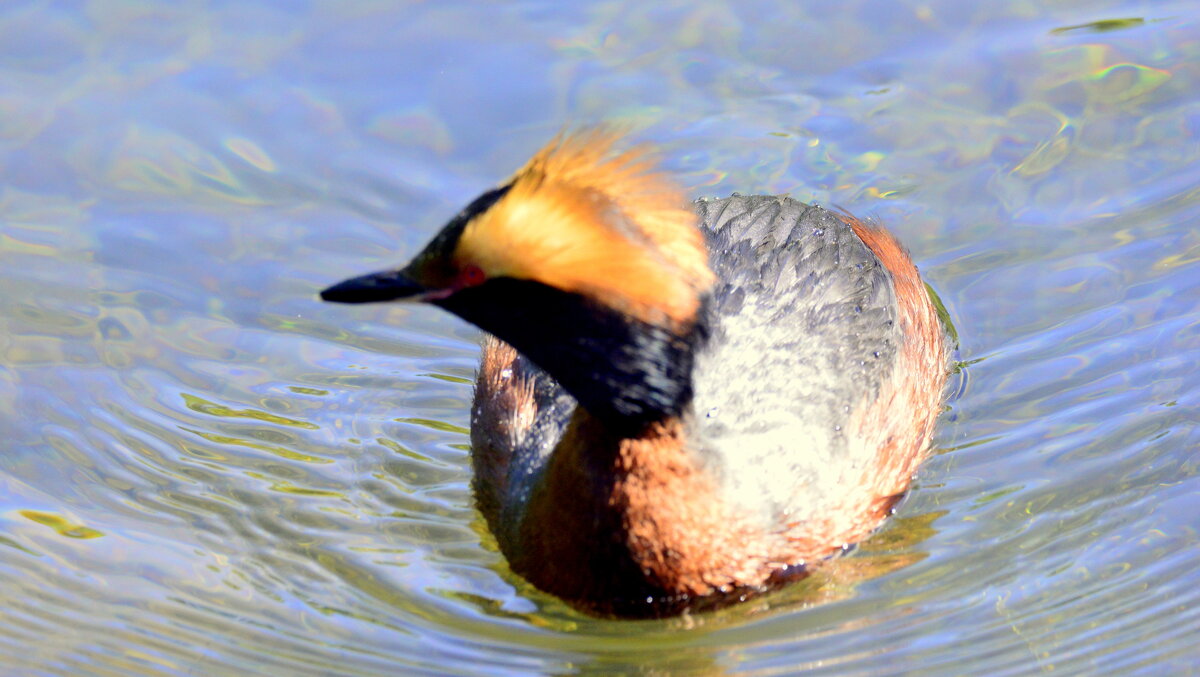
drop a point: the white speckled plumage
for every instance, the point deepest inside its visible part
(803, 323)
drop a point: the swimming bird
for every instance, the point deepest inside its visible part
(677, 405)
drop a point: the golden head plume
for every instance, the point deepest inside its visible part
(583, 218)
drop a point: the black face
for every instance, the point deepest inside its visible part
(622, 370)
(427, 269)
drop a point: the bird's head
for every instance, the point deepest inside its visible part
(588, 261)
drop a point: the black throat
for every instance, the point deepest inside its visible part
(626, 372)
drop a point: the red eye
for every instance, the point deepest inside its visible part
(471, 276)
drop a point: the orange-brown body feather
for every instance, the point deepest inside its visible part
(636, 526)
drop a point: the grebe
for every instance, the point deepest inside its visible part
(677, 407)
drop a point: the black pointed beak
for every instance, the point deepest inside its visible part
(388, 285)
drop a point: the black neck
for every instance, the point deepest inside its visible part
(626, 372)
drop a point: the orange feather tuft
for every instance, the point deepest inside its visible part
(584, 219)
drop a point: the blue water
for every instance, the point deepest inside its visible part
(206, 471)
